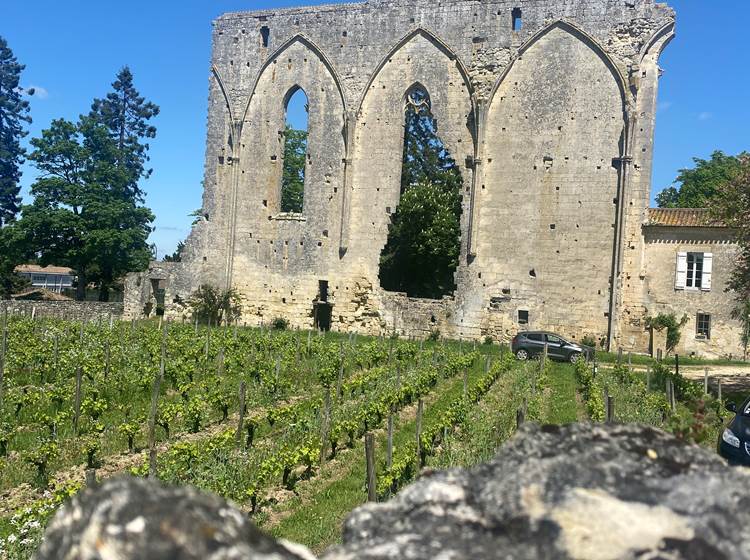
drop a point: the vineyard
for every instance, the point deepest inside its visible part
(274, 420)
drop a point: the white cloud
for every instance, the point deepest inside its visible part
(704, 116)
(664, 106)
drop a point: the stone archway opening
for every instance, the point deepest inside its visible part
(424, 235)
(295, 151)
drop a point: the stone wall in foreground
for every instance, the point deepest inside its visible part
(582, 491)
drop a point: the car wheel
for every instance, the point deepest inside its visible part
(522, 355)
(574, 357)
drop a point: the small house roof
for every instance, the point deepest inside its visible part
(36, 269)
(681, 217)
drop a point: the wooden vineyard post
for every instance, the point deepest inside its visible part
(390, 350)
(605, 398)
(544, 358)
(420, 407)
(466, 384)
(705, 381)
(648, 378)
(520, 417)
(340, 378)
(610, 408)
(3, 350)
(152, 411)
(630, 362)
(677, 364)
(90, 475)
(309, 341)
(421, 344)
(77, 402)
(106, 359)
(619, 356)
(370, 460)
(718, 389)
(220, 363)
(389, 449)
(325, 426)
(241, 420)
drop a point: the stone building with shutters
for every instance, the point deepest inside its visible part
(687, 262)
(548, 107)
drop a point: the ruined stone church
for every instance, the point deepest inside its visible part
(549, 108)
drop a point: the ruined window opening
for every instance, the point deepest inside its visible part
(265, 35)
(523, 317)
(517, 16)
(322, 290)
(421, 253)
(295, 151)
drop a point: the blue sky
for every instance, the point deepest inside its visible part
(72, 50)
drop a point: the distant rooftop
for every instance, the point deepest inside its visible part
(681, 217)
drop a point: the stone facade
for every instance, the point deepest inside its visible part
(552, 125)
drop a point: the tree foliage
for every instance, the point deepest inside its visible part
(669, 322)
(697, 187)
(213, 305)
(422, 251)
(84, 214)
(177, 255)
(293, 175)
(731, 206)
(126, 114)
(14, 115)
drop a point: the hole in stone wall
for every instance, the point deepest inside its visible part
(517, 18)
(424, 235)
(523, 317)
(295, 151)
(265, 35)
(532, 273)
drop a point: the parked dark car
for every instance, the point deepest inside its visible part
(734, 441)
(527, 345)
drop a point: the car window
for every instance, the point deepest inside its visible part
(552, 339)
(534, 337)
(746, 410)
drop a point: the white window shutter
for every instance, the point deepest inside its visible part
(708, 266)
(681, 275)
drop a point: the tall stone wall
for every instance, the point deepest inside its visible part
(548, 123)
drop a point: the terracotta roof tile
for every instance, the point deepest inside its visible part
(681, 217)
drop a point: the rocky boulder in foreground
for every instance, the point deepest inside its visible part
(595, 492)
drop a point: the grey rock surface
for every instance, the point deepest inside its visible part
(595, 492)
(132, 518)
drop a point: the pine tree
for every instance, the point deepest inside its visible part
(126, 114)
(14, 113)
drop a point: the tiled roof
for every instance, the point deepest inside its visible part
(681, 217)
(36, 269)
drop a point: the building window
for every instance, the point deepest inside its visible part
(523, 317)
(265, 35)
(703, 326)
(295, 151)
(39, 279)
(694, 271)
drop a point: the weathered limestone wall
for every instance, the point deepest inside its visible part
(662, 246)
(69, 310)
(548, 125)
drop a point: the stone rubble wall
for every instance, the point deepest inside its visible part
(70, 310)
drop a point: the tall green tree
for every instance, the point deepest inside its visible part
(731, 205)
(696, 187)
(293, 174)
(14, 115)
(85, 214)
(424, 237)
(126, 114)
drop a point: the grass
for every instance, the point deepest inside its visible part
(643, 359)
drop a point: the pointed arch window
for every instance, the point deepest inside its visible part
(424, 236)
(296, 109)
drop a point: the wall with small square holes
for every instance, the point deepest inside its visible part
(537, 101)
